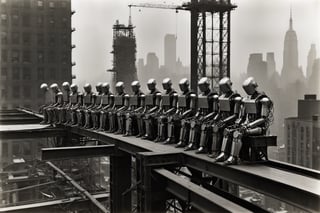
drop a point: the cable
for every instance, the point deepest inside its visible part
(28, 187)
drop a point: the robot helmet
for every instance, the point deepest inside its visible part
(105, 86)
(87, 87)
(166, 83)
(44, 86)
(119, 87)
(250, 86)
(151, 84)
(204, 84)
(54, 87)
(66, 85)
(99, 87)
(135, 85)
(74, 88)
(184, 84)
(225, 85)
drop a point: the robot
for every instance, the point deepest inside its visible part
(254, 120)
(50, 110)
(168, 108)
(106, 105)
(229, 105)
(119, 105)
(136, 106)
(206, 106)
(76, 100)
(62, 111)
(183, 111)
(148, 106)
(89, 113)
(88, 102)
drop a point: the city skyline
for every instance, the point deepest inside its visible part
(258, 34)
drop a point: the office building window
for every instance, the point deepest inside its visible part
(4, 19)
(52, 40)
(52, 57)
(51, 21)
(4, 55)
(40, 21)
(15, 56)
(16, 92)
(40, 3)
(15, 19)
(15, 73)
(15, 3)
(26, 92)
(26, 56)
(51, 4)
(64, 22)
(40, 75)
(64, 58)
(4, 73)
(4, 37)
(40, 56)
(26, 20)
(52, 74)
(26, 38)
(26, 73)
(3, 1)
(63, 4)
(27, 3)
(4, 94)
(15, 38)
(40, 39)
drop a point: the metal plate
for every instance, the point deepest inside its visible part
(134, 101)
(87, 99)
(203, 102)
(166, 100)
(105, 100)
(149, 100)
(74, 99)
(224, 104)
(118, 101)
(250, 106)
(182, 101)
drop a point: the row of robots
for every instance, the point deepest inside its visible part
(210, 123)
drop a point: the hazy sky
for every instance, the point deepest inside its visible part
(256, 26)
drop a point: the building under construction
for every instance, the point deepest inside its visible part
(124, 54)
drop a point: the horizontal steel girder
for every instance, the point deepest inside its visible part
(77, 152)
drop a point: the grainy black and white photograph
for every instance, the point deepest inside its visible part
(170, 106)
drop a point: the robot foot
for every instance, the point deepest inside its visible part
(201, 150)
(232, 160)
(180, 144)
(222, 157)
(169, 141)
(190, 147)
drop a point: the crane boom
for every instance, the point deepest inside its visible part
(159, 6)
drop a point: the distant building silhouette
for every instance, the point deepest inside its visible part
(302, 134)
(314, 80)
(312, 55)
(35, 47)
(291, 72)
(170, 52)
(257, 67)
(152, 64)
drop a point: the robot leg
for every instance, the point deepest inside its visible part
(235, 150)
(203, 139)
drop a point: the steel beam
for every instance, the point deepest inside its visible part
(202, 199)
(59, 153)
(36, 133)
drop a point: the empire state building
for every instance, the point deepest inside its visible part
(291, 73)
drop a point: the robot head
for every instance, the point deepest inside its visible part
(225, 85)
(44, 87)
(105, 87)
(204, 84)
(66, 86)
(54, 87)
(99, 87)
(60, 97)
(166, 83)
(120, 87)
(135, 86)
(250, 86)
(152, 84)
(87, 88)
(74, 88)
(184, 84)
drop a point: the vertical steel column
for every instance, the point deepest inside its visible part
(221, 45)
(204, 45)
(229, 42)
(194, 48)
(120, 176)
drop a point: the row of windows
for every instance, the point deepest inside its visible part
(41, 39)
(40, 21)
(26, 73)
(26, 56)
(17, 92)
(37, 3)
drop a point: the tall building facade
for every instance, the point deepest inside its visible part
(35, 47)
(170, 52)
(302, 134)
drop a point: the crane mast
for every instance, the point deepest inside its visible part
(210, 37)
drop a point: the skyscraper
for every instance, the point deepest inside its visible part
(290, 70)
(311, 57)
(170, 52)
(302, 134)
(35, 48)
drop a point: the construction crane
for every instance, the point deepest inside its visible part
(210, 37)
